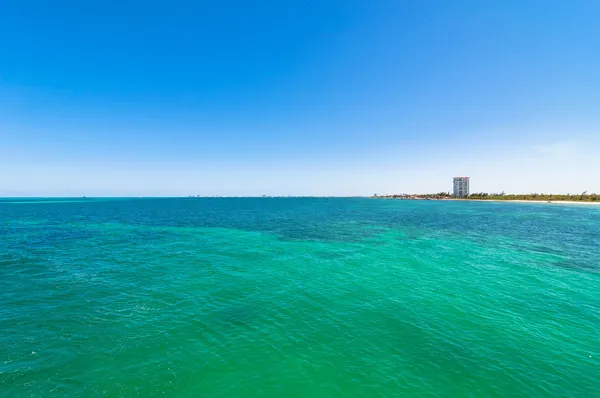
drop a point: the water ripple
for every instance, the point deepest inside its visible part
(298, 297)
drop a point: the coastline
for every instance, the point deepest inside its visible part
(559, 202)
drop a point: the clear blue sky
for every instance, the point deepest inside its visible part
(298, 97)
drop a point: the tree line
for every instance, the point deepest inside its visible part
(583, 197)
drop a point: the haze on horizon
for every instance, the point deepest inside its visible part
(339, 97)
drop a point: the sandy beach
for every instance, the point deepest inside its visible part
(559, 202)
(553, 202)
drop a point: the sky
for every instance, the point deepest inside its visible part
(328, 97)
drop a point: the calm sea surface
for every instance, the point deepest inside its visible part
(298, 298)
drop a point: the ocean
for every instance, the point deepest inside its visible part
(298, 297)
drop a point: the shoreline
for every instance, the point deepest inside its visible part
(560, 202)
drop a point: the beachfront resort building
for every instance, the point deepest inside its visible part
(461, 187)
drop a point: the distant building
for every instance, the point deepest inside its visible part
(461, 187)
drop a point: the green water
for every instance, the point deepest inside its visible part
(298, 298)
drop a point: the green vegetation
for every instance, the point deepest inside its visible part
(441, 195)
(542, 197)
(584, 197)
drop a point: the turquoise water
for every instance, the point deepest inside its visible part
(298, 298)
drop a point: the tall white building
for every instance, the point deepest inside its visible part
(461, 187)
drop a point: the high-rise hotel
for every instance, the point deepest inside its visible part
(461, 187)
